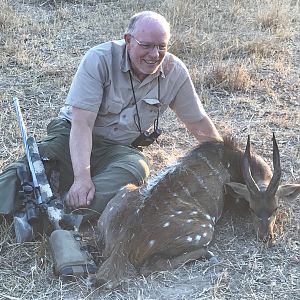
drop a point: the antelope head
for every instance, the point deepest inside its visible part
(264, 197)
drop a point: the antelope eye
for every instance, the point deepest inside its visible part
(273, 214)
(255, 214)
(275, 211)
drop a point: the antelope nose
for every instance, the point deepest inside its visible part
(264, 235)
(268, 240)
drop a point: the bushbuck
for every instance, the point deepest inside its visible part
(170, 219)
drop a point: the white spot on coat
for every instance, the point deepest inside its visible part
(189, 238)
(151, 243)
(207, 216)
(193, 213)
(166, 224)
(198, 237)
(178, 212)
(189, 221)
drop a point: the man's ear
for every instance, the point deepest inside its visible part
(237, 190)
(127, 38)
(288, 191)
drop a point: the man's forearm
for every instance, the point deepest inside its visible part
(204, 130)
(80, 150)
(81, 142)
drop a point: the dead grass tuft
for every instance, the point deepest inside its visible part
(274, 17)
(228, 77)
(6, 15)
(262, 48)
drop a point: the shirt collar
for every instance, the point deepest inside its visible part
(125, 64)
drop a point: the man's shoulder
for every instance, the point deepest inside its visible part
(173, 64)
(110, 48)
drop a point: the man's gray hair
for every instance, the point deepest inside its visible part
(146, 15)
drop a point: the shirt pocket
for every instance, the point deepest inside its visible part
(148, 110)
(109, 114)
(110, 107)
(114, 107)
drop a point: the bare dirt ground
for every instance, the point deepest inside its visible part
(244, 57)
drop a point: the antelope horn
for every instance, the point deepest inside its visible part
(274, 183)
(249, 180)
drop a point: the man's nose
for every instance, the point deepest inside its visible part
(155, 51)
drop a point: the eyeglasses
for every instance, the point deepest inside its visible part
(150, 46)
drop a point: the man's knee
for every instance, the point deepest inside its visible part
(128, 169)
(134, 164)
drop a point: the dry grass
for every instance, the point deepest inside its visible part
(230, 78)
(244, 59)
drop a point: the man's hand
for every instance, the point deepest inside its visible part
(81, 194)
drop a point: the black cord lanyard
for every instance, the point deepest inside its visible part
(138, 123)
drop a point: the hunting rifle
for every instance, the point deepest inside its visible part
(41, 207)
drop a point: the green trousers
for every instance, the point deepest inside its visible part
(112, 166)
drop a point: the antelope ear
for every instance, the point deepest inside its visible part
(288, 191)
(237, 190)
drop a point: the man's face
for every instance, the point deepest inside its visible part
(147, 47)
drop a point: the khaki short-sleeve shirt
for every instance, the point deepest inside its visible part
(102, 85)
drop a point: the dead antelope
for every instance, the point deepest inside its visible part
(170, 220)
